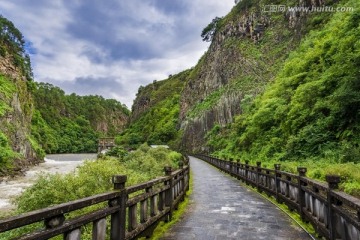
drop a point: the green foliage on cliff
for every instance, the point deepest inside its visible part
(7, 155)
(69, 123)
(209, 31)
(159, 122)
(311, 111)
(313, 106)
(12, 43)
(7, 88)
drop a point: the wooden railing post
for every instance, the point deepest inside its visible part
(277, 181)
(181, 164)
(258, 170)
(118, 219)
(302, 173)
(246, 171)
(333, 182)
(182, 189)
(169, 193)
(238, 169)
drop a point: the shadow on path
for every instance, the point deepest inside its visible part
(222, 209)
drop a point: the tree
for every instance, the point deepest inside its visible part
(208, 33)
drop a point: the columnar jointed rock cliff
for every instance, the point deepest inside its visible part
(248, 48)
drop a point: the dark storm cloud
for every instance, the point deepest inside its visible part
(116, 29)
(131, 30)
(176, 7)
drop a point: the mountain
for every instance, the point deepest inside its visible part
(273, 84)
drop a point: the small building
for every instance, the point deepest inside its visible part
(157, 146)
(106, 143)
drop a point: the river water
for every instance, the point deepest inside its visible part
(54, 163)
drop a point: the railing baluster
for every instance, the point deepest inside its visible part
(132, 217)
(153, 205)
(143, 211)
(99, 229)
(73, 235)
(161, 201)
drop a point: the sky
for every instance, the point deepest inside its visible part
(112, 47)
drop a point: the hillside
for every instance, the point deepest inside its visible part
(17, 148)
(155, 113)
(38, 118)
(277, 87)
(71, 123)
(311, 110)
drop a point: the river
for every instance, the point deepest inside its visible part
(54, 163)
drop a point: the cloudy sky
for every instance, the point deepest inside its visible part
(111, 47)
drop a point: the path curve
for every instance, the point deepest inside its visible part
(220, 208)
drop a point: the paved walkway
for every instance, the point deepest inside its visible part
(222, 209)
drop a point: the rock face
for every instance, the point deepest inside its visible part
(141, 103)
(114, 121)
(16, 123)
(247, 50)
(243, 57)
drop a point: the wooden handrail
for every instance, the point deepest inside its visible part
(334, 214)
(156, 199)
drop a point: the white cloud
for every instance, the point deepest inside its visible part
(123, 44)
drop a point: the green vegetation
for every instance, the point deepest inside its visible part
(310, 114)
(70, 123)
(209, 31)
(92, 178)
(59, 123)
(159, 123)
(7, 155)
(12, 43)
(7, 88)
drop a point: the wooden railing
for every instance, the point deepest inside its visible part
(334, 214)
(133, 211)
